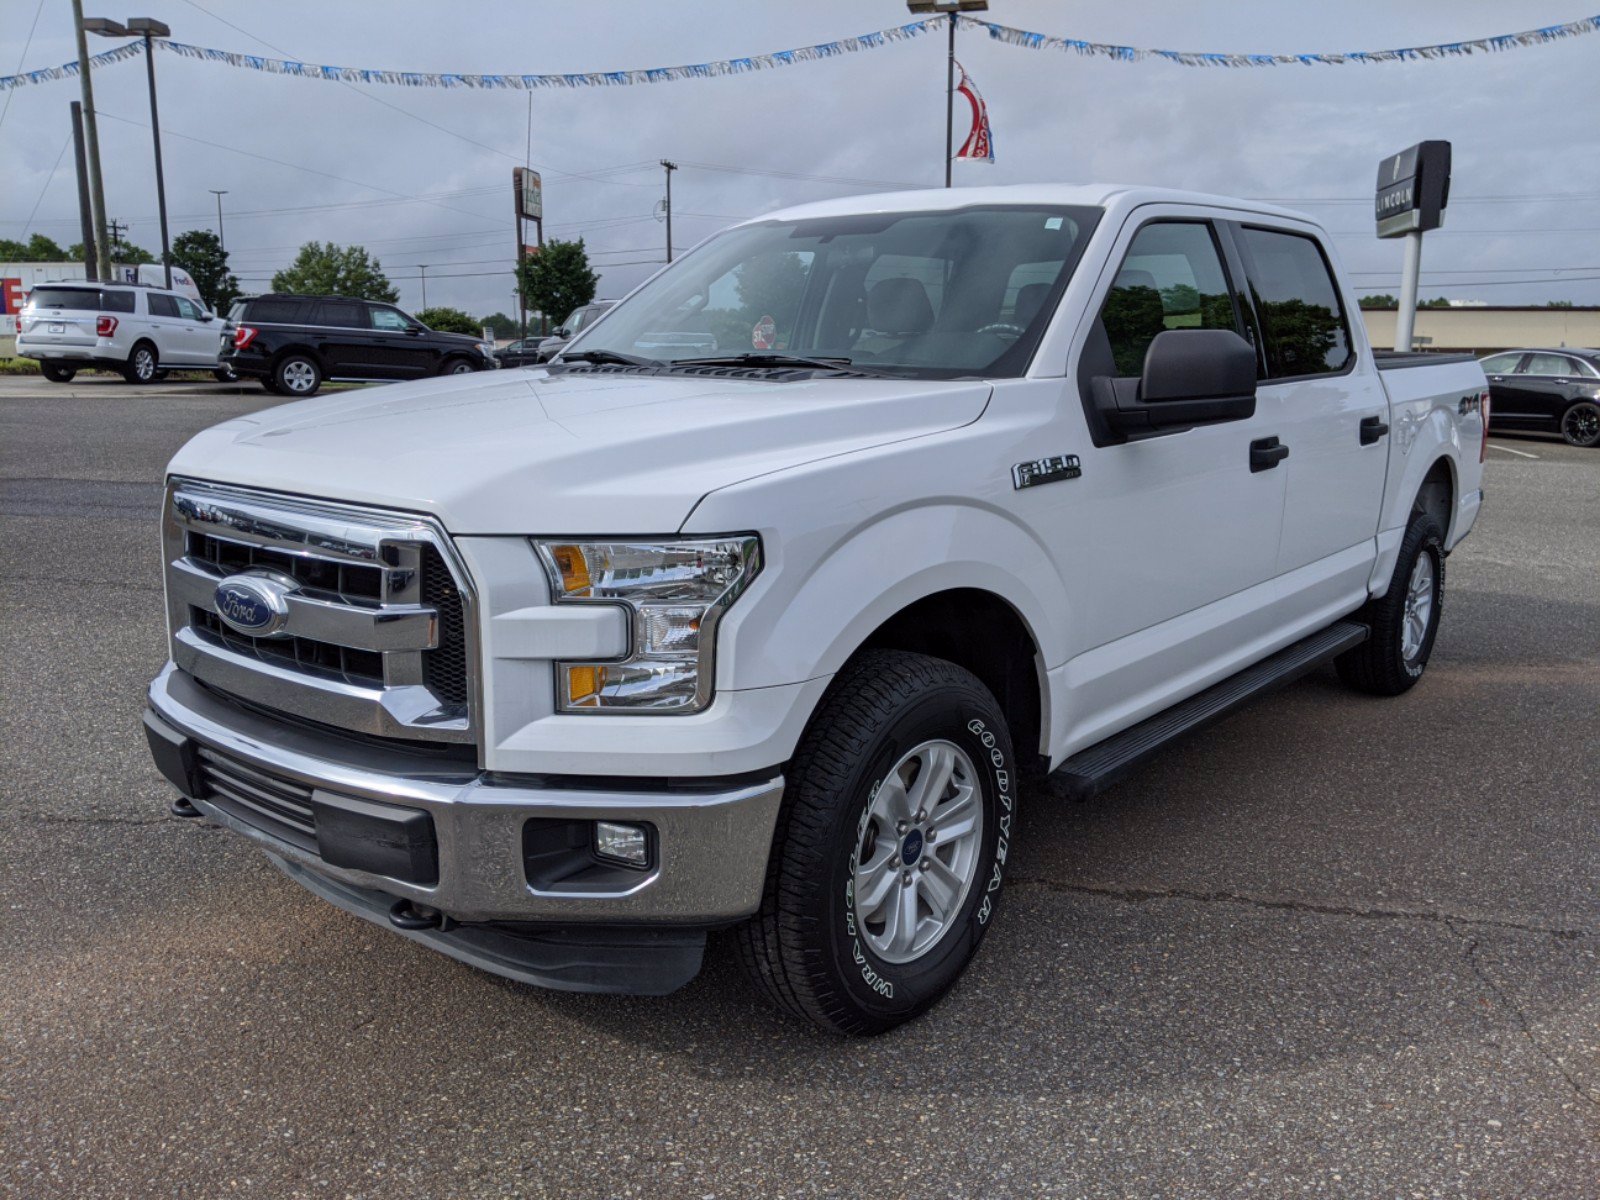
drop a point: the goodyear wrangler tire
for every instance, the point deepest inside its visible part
(897, 818)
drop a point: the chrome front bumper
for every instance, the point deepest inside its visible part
(710, 842)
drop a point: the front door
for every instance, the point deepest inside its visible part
(400, 346)
(1159, 535)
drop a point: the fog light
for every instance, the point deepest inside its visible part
(626, 844)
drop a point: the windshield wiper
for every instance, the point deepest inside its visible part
(779, 360)
(600, 357)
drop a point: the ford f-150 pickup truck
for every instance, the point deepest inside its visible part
(557, 669)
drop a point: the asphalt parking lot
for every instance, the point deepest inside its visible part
(1336, 947)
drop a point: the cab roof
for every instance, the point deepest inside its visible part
(1110, 196)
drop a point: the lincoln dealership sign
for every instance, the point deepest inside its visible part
(1413, 189)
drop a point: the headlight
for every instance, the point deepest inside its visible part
(675, 593)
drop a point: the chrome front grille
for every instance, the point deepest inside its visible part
(378, 634)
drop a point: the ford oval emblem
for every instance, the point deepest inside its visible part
(254, 603)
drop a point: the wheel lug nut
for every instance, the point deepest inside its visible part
(900, 827)
(905, 879)
(930, 835)
(921, 816)
(923, 865)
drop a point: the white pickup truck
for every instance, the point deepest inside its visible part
(557, 669)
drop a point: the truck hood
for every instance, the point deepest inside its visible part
(520, 452)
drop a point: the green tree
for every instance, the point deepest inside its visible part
(200, 252)
(128, 255)
(1436, 302)
(558, 279)
(37, 248)
(1383, 301)
(501, 325)
(1558, 304)
(326, 269)
(450, 320)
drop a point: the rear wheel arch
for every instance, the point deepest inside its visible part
(1436, 495)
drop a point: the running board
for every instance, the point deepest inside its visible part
(1090, 771)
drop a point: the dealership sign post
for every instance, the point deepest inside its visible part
(1413, 189)
(528, 190)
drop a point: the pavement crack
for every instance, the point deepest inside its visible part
(61, 819)
(1587, 1095)
(1137, 895)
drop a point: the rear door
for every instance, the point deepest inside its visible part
(1333, 410)
(1546, 384)
(344, 336)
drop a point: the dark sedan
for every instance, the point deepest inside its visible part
(524, 352)
(1549, 391)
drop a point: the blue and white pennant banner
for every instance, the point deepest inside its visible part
(1005, 34)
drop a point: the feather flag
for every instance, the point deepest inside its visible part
(980, 141)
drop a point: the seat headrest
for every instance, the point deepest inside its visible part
(899, 306)
(1030, 296)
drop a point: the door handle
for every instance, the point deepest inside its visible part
(1266, 453)
(1372, 428)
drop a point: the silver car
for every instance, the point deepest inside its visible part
(577, 321)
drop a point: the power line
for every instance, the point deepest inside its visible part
(20, 60)
(49, 179)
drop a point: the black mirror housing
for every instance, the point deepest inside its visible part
(1191, 377)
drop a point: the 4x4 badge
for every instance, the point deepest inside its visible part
(1045, 470)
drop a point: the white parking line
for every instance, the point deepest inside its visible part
(1509, 450)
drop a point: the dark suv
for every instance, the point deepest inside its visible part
(293, 343)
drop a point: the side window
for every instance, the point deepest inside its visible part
(116, 301)
(342, 314)
(1171, 278)
(187, 308)
(1303, 319)
(1584, 369)
(389, 319)
(1501, 364)
(162, 306)
(275, 312)
(1546, 364)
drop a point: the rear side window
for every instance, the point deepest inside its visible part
(1171, 278)
(162, 306)
(116, 302)
(342, 314)
(1302, 318)
(1548, 364)
(276, 312)
(1501, 364)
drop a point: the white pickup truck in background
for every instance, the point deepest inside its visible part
(557, 669)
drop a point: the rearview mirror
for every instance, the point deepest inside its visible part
(1191, 377)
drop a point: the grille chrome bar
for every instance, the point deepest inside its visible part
(380, 638)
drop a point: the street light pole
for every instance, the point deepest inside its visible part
(669, 167)
(149, 28)
(423, 267)
(222, 240)
(91, 256)
(97, 193)
(949, 9)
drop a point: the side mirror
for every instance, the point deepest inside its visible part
(1191, 377)
(205, 316)
(415, 330)
(561, 331)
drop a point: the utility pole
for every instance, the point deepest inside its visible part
(117, 229)
(91, 260)
(669, 167)
(97, 194)
(222, 241)
(149, 28)
(950, 103)
(423, 267)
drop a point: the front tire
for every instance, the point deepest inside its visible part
(1405, 620)
(896, 824)
(1580, 424)
(57, 373)
(457, 366)
(297, 375)
(143, 365)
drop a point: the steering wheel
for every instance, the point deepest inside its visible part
(1003, 329)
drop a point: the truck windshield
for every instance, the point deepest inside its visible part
(965, 292)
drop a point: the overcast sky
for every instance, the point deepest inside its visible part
(1522, 124)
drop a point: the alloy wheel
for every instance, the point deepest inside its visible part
(1419, 608)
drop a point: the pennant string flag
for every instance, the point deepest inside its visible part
(1004, 34)
(980, 141)
(1026, 39)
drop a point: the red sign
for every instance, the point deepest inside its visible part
(10, 296)
(765, 334)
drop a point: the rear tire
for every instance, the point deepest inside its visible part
(1580, 424)
(297, 375)
(57, 373)
(457, 366)
(143, 364)
(268, 385)
(225, 375)
(1404, 620)
(890, 848)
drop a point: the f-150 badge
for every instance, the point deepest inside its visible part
(1045, 470)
